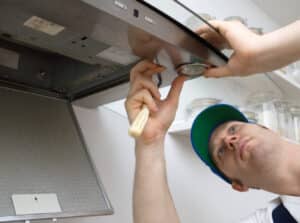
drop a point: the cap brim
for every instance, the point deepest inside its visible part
(205, 123)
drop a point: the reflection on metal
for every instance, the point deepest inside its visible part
(194, 23)
(237, 18)
(257, 30)
(192, 69)
(199, 16)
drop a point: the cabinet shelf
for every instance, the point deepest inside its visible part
(282, 75)
(287, 85)
(182, 127)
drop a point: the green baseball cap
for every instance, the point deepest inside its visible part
(204, 125)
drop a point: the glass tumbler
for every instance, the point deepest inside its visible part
(199, 104)
(283, 118)
(295, 123)
(262, 104)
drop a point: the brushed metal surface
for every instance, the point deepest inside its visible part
(42, 151)
(85, 57)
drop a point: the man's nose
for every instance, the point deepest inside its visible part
(231, 141)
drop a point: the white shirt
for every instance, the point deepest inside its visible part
(264, 215)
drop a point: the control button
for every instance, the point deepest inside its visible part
(136, 13)
(120, 5)
(150, 20)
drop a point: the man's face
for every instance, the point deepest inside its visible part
(245, 152)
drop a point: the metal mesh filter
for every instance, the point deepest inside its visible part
(42, 152)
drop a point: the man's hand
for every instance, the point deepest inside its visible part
(252, 53)
(236, 36)
(143, 91)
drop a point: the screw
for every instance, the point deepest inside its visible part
(42, 75)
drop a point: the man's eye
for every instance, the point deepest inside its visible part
(232, 129)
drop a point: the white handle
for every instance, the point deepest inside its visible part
(138, 125)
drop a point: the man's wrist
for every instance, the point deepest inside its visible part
(153, 150)
(261, 54)
(279, 48)
(156, 141)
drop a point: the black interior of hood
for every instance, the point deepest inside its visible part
(51, 74)
(64, 65)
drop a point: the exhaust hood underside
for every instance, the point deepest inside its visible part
(70, 49)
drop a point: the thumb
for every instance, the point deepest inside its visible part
(176, 88)
(223, 71)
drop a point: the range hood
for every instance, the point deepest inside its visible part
(56, 53)
(72, 49)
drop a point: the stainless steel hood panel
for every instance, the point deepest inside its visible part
(98, 45)
(71, 49)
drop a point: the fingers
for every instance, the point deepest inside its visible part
(232, 33)
(222, 26)
(141, 78)
(212, 36)
(223, 71)
(236, 34)
(217, 24)
(143, 90)
(144, 97)
(157, 69)
(141, 67)
(174, 93)
(146, 68)
(134, 103)
(216, 40)
(203, 29)
(142, 82)
(237, 37)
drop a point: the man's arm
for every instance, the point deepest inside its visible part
(252, 53)
(152, 202)
(281, 47)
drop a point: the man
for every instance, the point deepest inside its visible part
(258, 161)
(247, 155)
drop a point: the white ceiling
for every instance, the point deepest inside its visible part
(283, 12)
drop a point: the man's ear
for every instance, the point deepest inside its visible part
(239, 186)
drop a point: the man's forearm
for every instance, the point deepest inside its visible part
(152, 201)
(281, 47)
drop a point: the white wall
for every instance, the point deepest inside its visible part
(282, 15)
